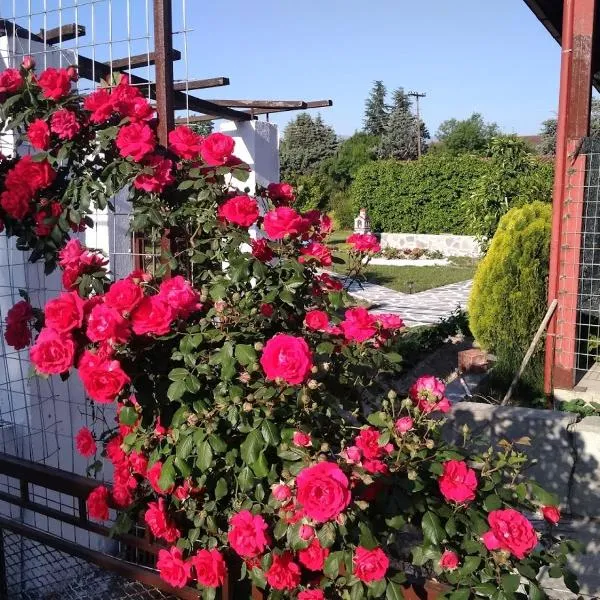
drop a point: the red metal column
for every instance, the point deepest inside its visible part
(573, 124)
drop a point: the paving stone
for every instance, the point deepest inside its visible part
(585, 487)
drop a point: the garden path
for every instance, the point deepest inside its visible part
(423, 308)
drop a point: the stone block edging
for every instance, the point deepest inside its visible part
(447, 244)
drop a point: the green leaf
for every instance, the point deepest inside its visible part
(176, 390)
(261, 466)
(205, 456)
(470, 565)
(280, 530)
(393, 591)
(128, 415)
(492, 502)
(432, 529)
(177, 374)
(327, 535)
(487, 590)
(462, 594)
(332, 564)
(571, 581)
(377, 588)
(252, 446)
(245, 354)
(221, 489)
(379, 419)
(367, 539)
(183, 467)
(218, 445)
(270, 432)
(167, 474)
(184, 447)
(510, 583)
(393, 357)
(246, 479)
(535, 593)
(357, 591)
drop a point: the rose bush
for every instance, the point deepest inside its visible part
(255, 430)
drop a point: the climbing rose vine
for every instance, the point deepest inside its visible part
(257, 436)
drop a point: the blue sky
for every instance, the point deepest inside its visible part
(490, 56)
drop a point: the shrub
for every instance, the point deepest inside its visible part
(508, 300)
(343, 209)
(423, 196)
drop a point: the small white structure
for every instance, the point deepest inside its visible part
(362, 223)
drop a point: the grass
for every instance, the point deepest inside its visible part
(407, 279)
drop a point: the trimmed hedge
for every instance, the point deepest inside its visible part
(509, 295)
(423, 196)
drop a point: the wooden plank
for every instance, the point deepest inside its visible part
(201, 84)
(139, 60)
(261, 103)
(62, 34)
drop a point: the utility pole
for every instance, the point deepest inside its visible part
(417, 96)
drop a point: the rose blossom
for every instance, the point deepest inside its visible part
(115, 453)
(284, 221)
(38, 133)
(368, 443)
(239, 210)
(65, 313)
(157, 519)
(320, 253)
(364, 242)
(266, 310)
(85, 442)
(11, 81)
(28, 62)
(284, 573)
(138, 463)
(99, 104)
(457, 482)
(329, 283)
(281, 191)
(103, 379)
(248, 534)
(172, 568)
(510, 531)
(184, 142)
(17, 333)
(153, 315)
(210, 567)
(261, 250)
(153, 476)
(323, 491)
(313, 557)
(428, 393)
(318, 320)
(97, 503)
(179, 294)
(16, 201)
(64, 124)
(216, 149)
(159, 176)
(53, 352)
(358, 325)
(135, 140)
(449, 560)
(390, 322)
(403, 424)
(306, 532)
(107, 324)
(55, 83)
(286, 357)
(370, 565)
(123, 295)
(281, 492)
(551, 514)
(302, 439)
(34, 175)
(311, 595)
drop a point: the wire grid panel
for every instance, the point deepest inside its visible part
(34, 571)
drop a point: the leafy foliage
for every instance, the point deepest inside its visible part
(424, 196)
(469, 135)
(376, 110)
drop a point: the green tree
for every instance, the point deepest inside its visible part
(399, 139)
(306, 143)
(376, 110)
(204, 128)
(469, 135)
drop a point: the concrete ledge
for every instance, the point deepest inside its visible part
(410, 262)
(447, 244)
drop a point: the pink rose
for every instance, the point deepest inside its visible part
(364, 243)
(428, 393)
(358, 325)
(318, 252)
(158, 521)
(107, 324)
(11, 81)
(85, 442)
(17, 333)
(403, 424)
(368, 443)
(97, 503)
(281, 191)
(390, 322)
(179, 294)
(457, 482)
(306, 532)
(311, 595)
(64, 124)
(449, 561)
(124, 295)
(210, 567)
(53, 352)
(55, 83)
(510, 531)
(261, 250)
(286, 357)
(172, 568)
(248, 534)
(551, 514)
(313, 557)
(102, 378)
(159, 176)
(216, 149)
(153, 315)
(281, 492)
(65, 313)
(153, 476)
(185, 143)
(39, 134)
(317, 320)
(138, 463)
(284, 221)
(323, 491)
(135, 140)
(240, 210)
(302, 439)
(370, 565)
(266, 310)
(284, 573)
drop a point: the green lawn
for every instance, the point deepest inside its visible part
(407, 279)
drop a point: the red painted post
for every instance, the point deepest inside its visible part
(573, 124)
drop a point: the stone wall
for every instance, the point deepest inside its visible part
(448, 245)
(566, 461)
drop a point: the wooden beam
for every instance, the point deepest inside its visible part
(201, 84)
(261, 103)
(139, 60)
(62, 34)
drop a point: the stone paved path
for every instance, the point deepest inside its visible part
(423, 308)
